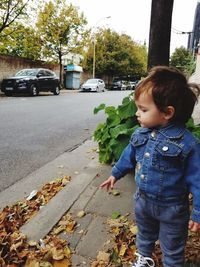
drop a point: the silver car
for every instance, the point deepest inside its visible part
(93, 85)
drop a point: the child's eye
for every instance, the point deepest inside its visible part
(144, 110)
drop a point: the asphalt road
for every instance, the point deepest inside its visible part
(35, 130)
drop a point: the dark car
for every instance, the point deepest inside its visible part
(133, 85)
(119, 85)
(31, 81)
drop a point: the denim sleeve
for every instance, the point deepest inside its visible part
(193, 180)
(126, 162)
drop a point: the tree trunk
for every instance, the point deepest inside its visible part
(160, 32)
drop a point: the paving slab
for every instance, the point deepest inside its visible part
(80, 261)
(105, 203)
(81, 229)
(95, 239)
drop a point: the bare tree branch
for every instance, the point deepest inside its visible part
(10, 10)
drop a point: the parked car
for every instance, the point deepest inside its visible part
(93, 85)
(133, 85)
(119, 85)
(31, 81)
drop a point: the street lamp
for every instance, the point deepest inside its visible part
(94, 46)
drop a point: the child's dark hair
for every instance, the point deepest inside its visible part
(169, 87)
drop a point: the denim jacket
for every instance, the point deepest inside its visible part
(166, 163)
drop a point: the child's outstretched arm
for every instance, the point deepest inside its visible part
(109, 183)
(194, 226)
(125, 164)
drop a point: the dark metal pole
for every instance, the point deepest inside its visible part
(160, 32)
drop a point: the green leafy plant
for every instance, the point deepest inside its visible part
(195, 129)
(113, 135)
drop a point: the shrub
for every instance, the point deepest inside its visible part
(114, 135)
(195, 129)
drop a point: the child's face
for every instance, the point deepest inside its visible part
(148, 114)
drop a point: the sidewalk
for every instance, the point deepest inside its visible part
(81, 194)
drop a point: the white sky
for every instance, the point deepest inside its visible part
(133, 17)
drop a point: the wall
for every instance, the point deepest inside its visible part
(10, 65)
(195, 77)
(85, 76)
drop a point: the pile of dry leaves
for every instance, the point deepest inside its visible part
(14, 249)
(124, 247)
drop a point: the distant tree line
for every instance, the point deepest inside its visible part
(58, 28)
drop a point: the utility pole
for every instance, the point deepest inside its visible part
(160, 32)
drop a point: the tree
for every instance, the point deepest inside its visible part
(62, 30)
(160, 32)
(116, 55)
(183, 60)
(10, 11)
(22, 41)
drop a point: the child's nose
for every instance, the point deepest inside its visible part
(137, 113)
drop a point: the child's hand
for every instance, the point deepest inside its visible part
(194, 226)
(109, 183)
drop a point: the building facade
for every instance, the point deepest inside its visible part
(194, 36)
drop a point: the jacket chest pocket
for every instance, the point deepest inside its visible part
(167, 156)
(139, 142)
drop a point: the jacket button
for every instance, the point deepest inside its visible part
(153, 134)
(142, 176)
(165, 148)
(147, 154)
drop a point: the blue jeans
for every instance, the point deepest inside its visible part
(163, 221)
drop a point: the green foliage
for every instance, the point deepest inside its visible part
(22, 41)
(195, 129)
(183, 60)
(114, 135)
(61, 28)
(116, 54)
(11, 11)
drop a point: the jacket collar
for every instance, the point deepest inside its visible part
(172, 131)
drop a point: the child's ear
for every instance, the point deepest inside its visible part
(169, 112)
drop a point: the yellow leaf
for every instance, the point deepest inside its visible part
(81, 214)
(67, 251)
(32, 243)
(66, 180)
(133, 229)
(115, 192)
(45, 264)
(62, 263)
(57, 254)
(32, 263)
(16, 246)
(59, 229)
(122, 250)
(116, 230)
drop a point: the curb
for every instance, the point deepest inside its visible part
(41, 224)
